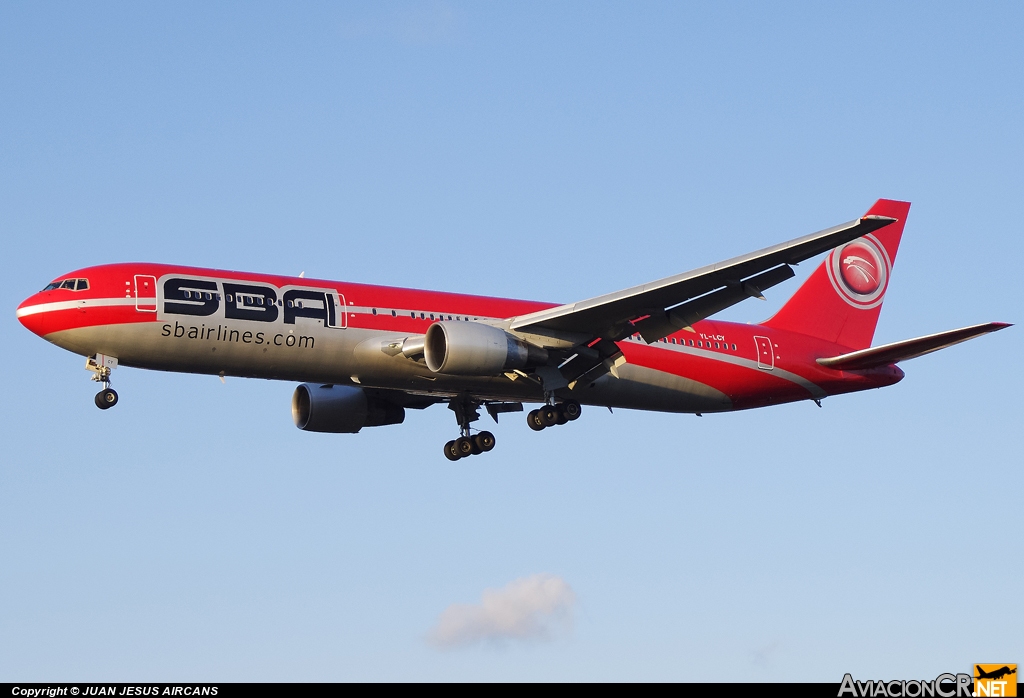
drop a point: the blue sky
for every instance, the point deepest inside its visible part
(552, 151)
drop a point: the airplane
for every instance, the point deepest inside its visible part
(995, 675)
(365, 354)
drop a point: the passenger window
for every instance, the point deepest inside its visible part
(208, 296)
(394, 314)
(716, 346)
(431, 316)
(734, 347)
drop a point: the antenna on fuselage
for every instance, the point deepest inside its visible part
(302, 274)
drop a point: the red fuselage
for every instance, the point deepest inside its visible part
(264, 332)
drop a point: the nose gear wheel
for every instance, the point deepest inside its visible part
(106, 398)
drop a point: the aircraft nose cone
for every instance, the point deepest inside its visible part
(27, 315)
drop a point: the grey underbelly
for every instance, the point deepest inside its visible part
(324, 355)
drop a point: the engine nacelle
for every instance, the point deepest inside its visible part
(340, 409)
(474, 349)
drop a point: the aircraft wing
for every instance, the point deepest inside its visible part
(661, 307)
(907, 349)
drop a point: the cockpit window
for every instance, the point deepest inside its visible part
(70, 284)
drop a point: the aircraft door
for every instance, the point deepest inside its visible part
(765, 353)
(337, 311)
(145, 293)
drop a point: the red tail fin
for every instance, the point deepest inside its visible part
(841, 300)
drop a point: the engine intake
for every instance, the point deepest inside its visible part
(474, 349)
(340, 409)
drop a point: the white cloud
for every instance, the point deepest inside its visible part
(529, 608)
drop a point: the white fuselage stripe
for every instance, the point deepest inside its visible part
(71, 305)
(726, 357)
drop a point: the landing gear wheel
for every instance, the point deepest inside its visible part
(484, 441)
(534, 420)
(548, 416)
(563, 418)
(572, 410)
(464, 446)
(106, 398)
(449, 451)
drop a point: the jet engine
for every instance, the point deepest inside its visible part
(474, 349)
(340, 409)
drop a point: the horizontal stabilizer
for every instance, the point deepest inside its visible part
(907, 349)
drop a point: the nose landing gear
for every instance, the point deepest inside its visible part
(101, 366)
(467, 412)
(554, 415)
(106, 398)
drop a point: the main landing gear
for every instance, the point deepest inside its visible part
(469, 445)
(552, 415)
(467, 412)
(101, 366)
